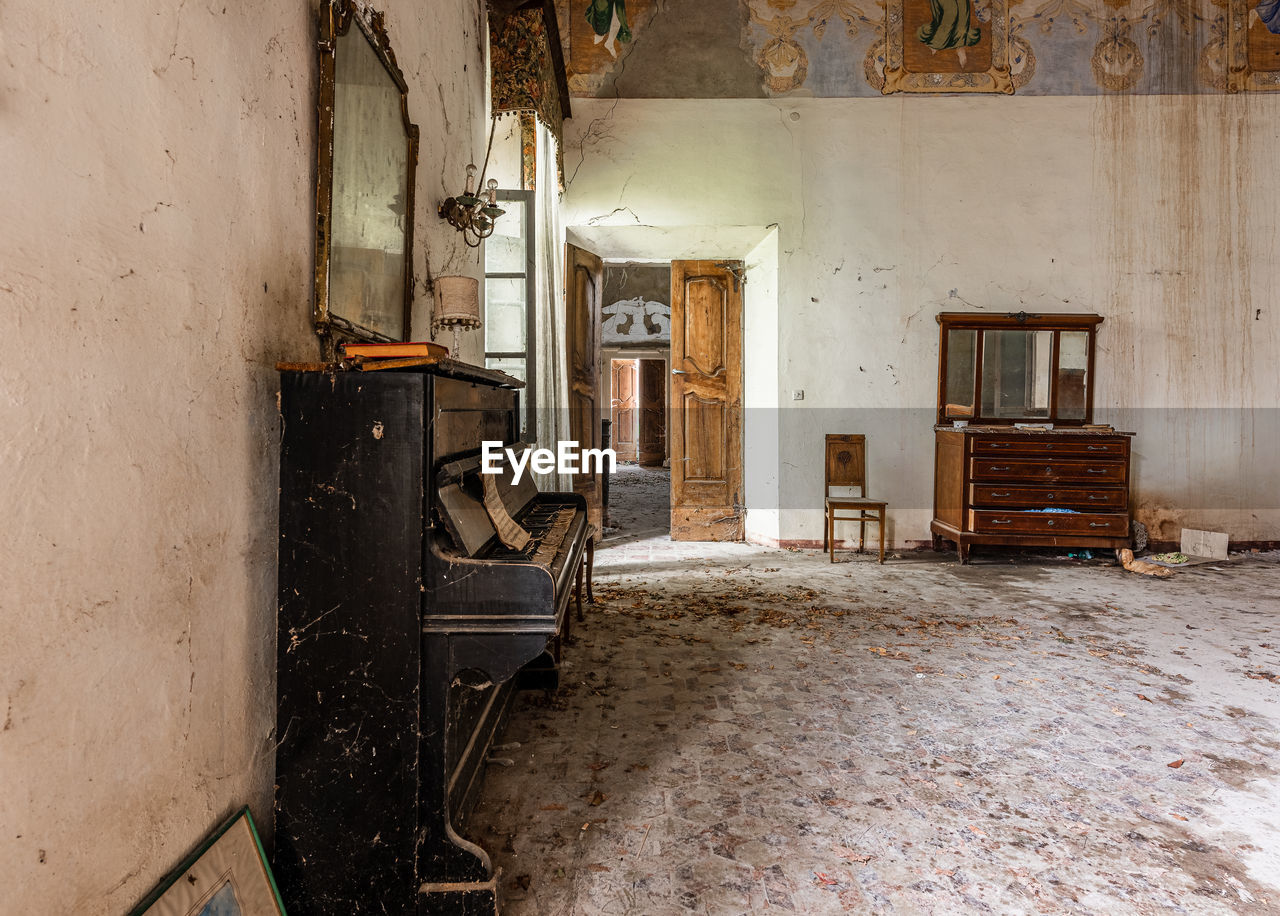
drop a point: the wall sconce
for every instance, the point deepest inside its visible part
(473, 214)
(457, 306)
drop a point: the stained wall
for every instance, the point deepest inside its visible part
(155, 262)
(1157, 212)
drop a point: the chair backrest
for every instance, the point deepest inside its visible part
(846, 463)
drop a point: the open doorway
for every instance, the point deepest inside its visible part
(713, 473)
(635, 353)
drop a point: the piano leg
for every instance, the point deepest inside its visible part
(591, 565)
(457, 876)
(577, 590)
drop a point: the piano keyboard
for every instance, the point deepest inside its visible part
(547, 527)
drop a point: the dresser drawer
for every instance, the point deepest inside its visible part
(1067, 524)
(1034, 445)
(1032, 471)
(1039, 497)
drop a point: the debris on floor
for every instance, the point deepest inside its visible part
(1142, 566)
(746, 729)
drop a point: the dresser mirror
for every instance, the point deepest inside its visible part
(1004, 369)
(366, 160)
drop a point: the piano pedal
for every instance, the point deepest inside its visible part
(513, 746)
(501, 761)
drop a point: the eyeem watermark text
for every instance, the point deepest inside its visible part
(566, 459)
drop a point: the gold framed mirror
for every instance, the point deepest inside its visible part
(366, 162)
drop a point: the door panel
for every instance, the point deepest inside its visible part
(706, 401)
(584, 286)
(705, 318)
(705, 430)
(652, 442)
(623, 409)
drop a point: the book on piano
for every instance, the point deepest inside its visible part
(394, 350)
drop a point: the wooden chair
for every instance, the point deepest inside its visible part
(846, 468)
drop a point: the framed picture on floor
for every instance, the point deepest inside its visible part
(227, 876)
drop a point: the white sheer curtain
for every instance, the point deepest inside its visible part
(551, 383)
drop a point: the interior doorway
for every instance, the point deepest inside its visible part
(638, 407)
(705, 385)
(639, 501)
(671, 389)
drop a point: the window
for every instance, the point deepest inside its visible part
(509, 318)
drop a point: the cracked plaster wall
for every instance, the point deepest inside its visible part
(155, 262)
(1159, 213)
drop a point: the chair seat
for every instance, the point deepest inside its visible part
(853, 502)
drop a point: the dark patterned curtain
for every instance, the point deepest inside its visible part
(525, 81)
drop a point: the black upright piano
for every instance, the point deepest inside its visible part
(403, 621)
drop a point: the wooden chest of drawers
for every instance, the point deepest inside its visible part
(1002, 486)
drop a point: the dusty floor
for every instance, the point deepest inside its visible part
(743, 729)
(639, 503)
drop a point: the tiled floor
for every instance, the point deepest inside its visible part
(743, 729)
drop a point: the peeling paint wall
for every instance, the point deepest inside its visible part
(1158, 212)
(155, 262)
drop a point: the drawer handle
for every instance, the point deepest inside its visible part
(1094, 471)
(1050, 523)
(1048, 496)
(997, 469)
(1101, 498)
(999, 444)
(1097, 448)
(1001, 521)
(1000, 495)
(1099, 525)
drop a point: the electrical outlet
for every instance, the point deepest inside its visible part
(797, 394)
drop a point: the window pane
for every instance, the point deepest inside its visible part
(1073, 366)
(504, 316)
(962, 347)
(504, 250)
(1015, 373)
(508, 365)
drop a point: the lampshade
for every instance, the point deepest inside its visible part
(457, 302)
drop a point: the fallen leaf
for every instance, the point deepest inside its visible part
(850, 855)
(553, 808)
(1118, 712)
(597, 798)
(1143, 696)
(1177, 763)
(1179, 817)
(978, 830)
(948, 872)
(825, 879)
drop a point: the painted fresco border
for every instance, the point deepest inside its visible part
(898, 79)
(1240, 76)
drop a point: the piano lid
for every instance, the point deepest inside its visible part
(455, 368)
(450, 368)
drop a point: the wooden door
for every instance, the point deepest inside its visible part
(623, 408)
(652, 434)
(584, 282)
(705, 434)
